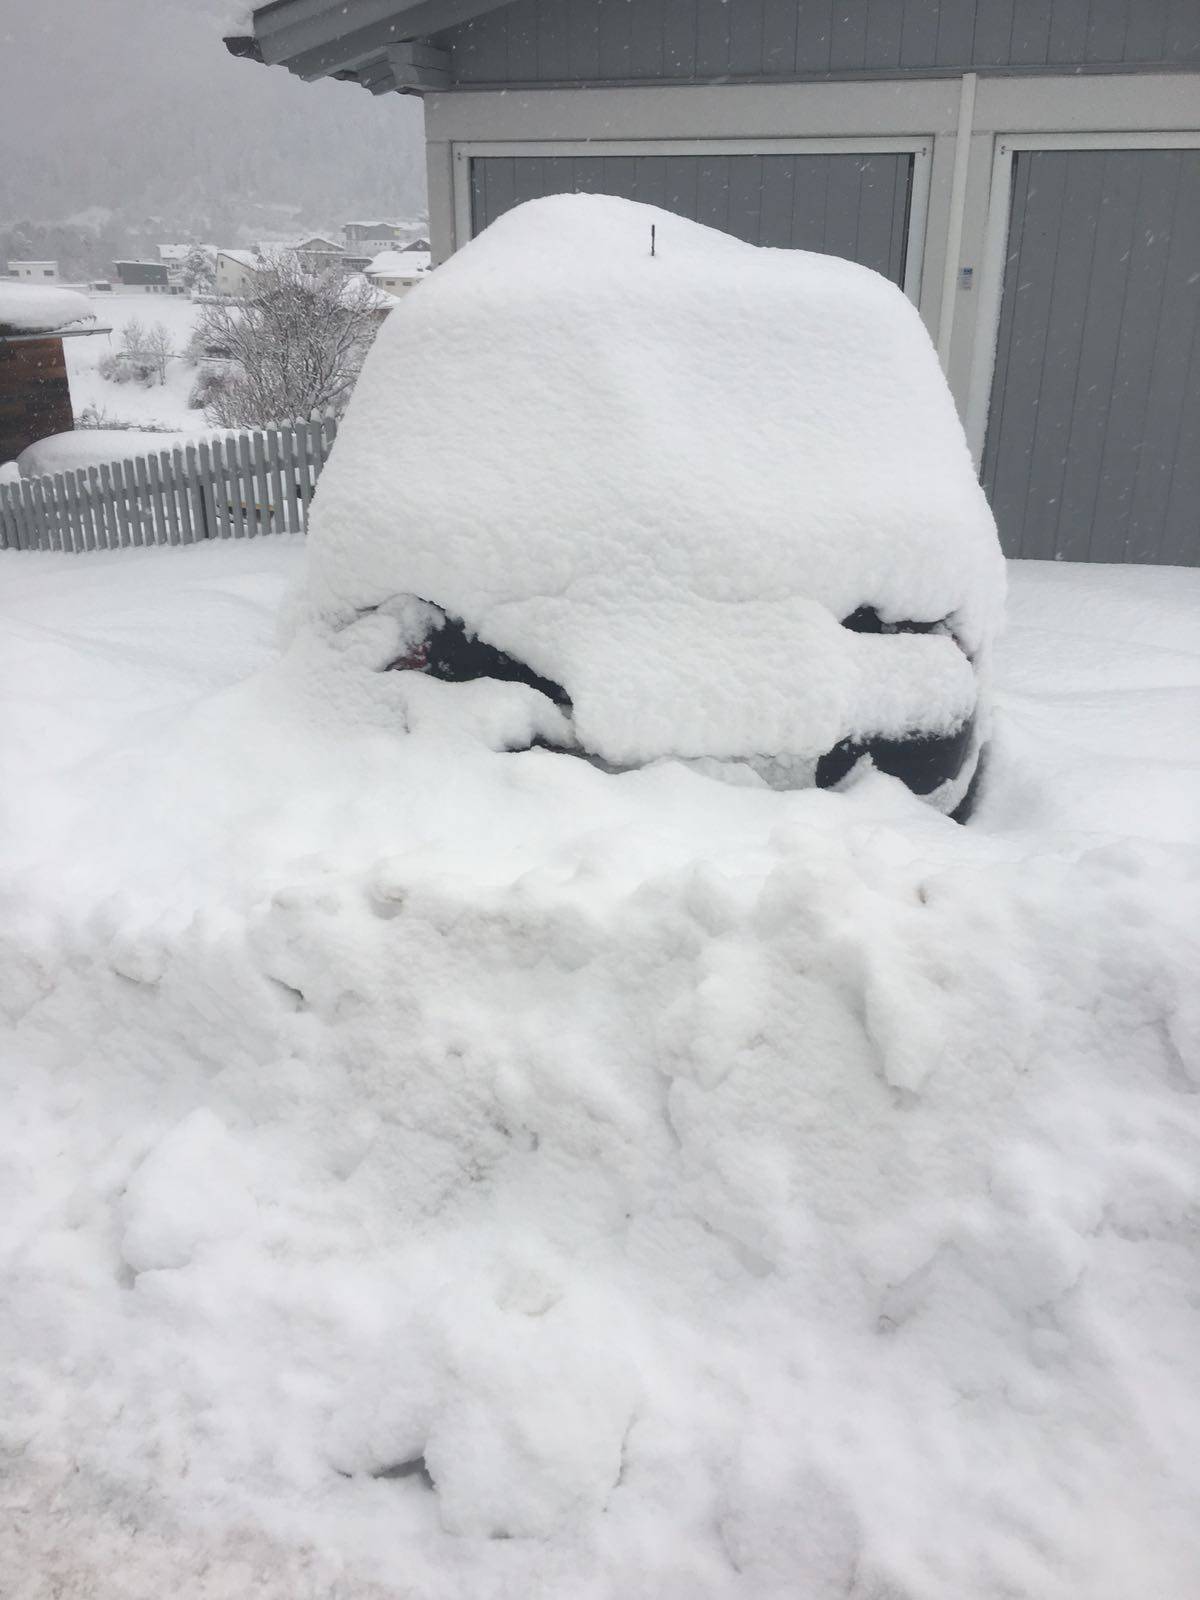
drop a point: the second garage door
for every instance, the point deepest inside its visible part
(1093, 440)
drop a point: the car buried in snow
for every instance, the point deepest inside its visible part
(670, 496)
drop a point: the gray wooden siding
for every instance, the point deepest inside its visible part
(844, 205)
(1093, 447)
(615, 41)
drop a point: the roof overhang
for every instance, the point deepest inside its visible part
(384, 45)
(50, 333)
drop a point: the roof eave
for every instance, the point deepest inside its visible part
(385, 46)
(23, 335)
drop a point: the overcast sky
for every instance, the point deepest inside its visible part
(136, 106)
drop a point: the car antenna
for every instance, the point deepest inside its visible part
(653, 232)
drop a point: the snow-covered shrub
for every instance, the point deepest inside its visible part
(126, 366)
(141, 356)
(210, 387)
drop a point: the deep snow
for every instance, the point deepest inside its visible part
(135, 405)
(40, 308)
(721, 1192)
(93, 447)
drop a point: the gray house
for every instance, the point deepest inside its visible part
(1027, 170)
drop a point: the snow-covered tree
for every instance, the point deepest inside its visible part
(199, 269)
(294, 344)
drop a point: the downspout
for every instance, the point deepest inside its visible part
(958, 203)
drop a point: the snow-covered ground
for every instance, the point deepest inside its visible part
(161, 405)
(435, 1172)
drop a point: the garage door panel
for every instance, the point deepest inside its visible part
(850, 205)
(1138, 353)
(1170, 384)
(712, 192)
(683, 177)
(1092, 419)
(1073, 200)
(1086, 522)
(777, 208)
(746, 189)
(1021, 359)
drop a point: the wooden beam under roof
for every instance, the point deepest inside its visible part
(417, 68)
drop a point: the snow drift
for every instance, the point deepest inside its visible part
(662, 479)
(39, 308)
(428, 1171)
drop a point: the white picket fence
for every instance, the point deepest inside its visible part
(233, 487)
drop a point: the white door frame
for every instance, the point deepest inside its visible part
(918, 146)
(995, 246)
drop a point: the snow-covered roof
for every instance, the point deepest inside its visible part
(33, 308)
(663, 480)
(399, 264)
(244, 258)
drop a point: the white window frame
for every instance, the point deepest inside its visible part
(995, 246)
(920, 147)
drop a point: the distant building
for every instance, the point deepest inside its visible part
(359, 234)
(35, 271)
(150, 276)
(318, 253)
(366, 240)
(398, 271)
(35, 396)
(236, 271)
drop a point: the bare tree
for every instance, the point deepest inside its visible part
(131, 361)
(158, 350)
(294, 345)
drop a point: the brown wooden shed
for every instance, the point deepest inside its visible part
(35, 394)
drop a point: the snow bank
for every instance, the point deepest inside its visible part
(29, 308)
(92, 447)
(663, 480)
(430, 1171)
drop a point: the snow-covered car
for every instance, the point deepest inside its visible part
(671, 496)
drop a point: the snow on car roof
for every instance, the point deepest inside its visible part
(30, 308)
(661, 479)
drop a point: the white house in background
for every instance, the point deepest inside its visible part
(236, 271)
(35, 271)
(317, 253)
(398, 271)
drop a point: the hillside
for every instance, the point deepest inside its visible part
(150, 129)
